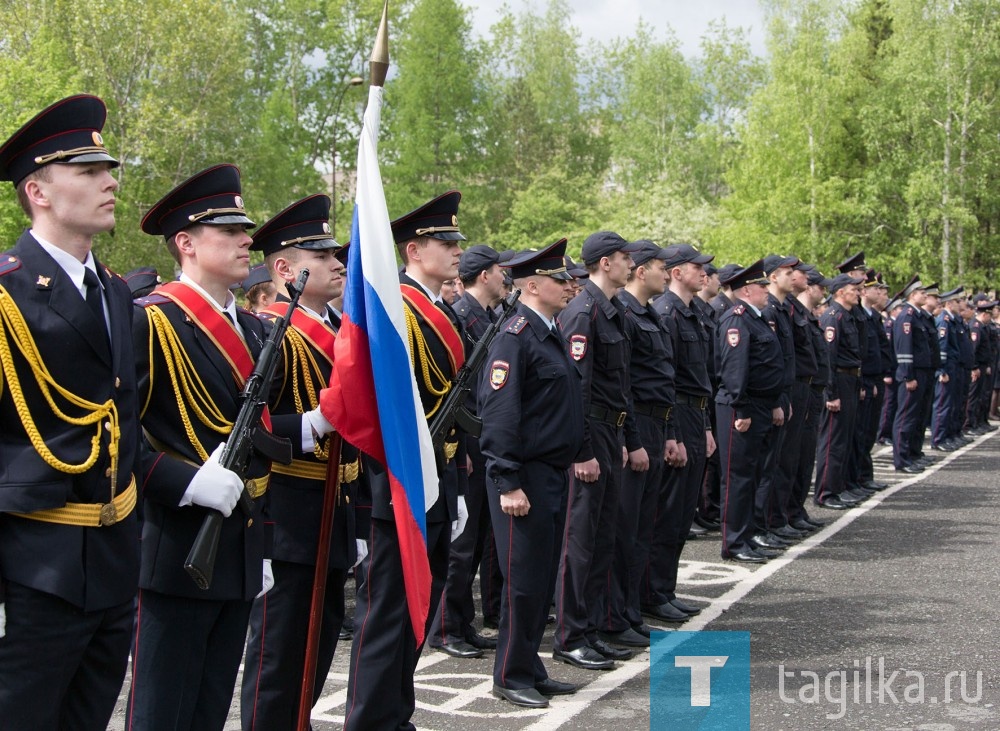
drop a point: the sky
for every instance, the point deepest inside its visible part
(606, 19)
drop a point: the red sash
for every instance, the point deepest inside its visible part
(316, 332)
(219, 329)
(439, 322)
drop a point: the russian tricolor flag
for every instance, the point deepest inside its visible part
(372, 398)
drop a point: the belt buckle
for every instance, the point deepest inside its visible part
(109, 514)
(666, 416)
(621, 419)
(703, 403)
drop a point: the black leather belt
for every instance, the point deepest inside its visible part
(699, 402)
(614, 418)
(656, 412)
(850, 371)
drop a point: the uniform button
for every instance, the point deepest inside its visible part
(118, 382)
(107, 472)
(107, 426)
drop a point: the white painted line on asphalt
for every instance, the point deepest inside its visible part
(561, 712)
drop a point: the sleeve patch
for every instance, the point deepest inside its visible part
(975, 336)
(830, 334)
(578, 346)
(906, 327)
(517, 325)
(733, 337)
(499, 372)
(942, 331)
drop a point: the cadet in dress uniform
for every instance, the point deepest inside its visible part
(69, 554)
(651, 377)
(531, 404)
(299, 238)
(594, 327)
(194, 350)
(384, 653)
(689, 339)
(913, 374)
(949, 378)
(875, 376)
(838, 420)
(751, 378)
(451, 627)
(707, 516)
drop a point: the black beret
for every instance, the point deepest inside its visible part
(304, 225)
(212, 196)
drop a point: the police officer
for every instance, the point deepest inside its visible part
(913, 374)
(751, 377)
(888, 418)
(837, 422)
(451, 627)
(651, 375)
(69, 555)
(531, 405)
(299, 238)
(194, 351)
(594, 327)
(706, 517)
(689, 339)
(384, 655)
(982, 337)
(874, 371)
(967, 364)
(948, 380)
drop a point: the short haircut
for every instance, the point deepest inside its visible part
(44, 173)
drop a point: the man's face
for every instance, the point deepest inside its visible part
(655, 277)
(554, 294)
(326, 274)
(690, 276)
(222, 253)
(80, 197)
(755, 294)
(781, 278)
(799, 281)
(618, 267)
(494, 285)
(436, 259)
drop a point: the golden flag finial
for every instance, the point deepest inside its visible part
(380, 53)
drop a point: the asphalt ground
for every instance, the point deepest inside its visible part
(905, 584)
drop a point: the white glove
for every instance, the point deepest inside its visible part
(362, 545)
(457, 526)
(3, 620)
(213, 486)
(268, 578)
(318, 422)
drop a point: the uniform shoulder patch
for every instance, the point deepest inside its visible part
(499, 372)
(578, 346)
(830, 333)
(906, 327)
(739, 310)
(151, 299)
(942, 331)
(517, 325)
(9, 264)
(733, 337)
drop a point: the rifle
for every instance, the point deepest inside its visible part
(453, 410)
(245, 436)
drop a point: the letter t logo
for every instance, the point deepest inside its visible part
(701, 675)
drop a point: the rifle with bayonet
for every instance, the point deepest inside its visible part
(243, 439)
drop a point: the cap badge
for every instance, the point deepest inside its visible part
(98, 140)
(326, 227)
(239, 201)
(454, 220)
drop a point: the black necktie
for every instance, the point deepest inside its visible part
(94, 299)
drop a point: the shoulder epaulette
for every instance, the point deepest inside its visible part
(516, 326)
(151, 299)
(112, 273)
(9, 264)
(738, 310)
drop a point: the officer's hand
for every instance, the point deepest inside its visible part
(268, 579)
(515, 503)
(3, 620)
(742, 425)
(320, 426)
(944, 378)
(862, 394)
(362, 548)
(710, 445)
(911, 385)
(458, 525)
(468, 464)
(833, 406)
(777, 416)
(887, 380)
(587, 471)
(213, 486)
(975, 375)
(638, 460)
(671, 452)
(624, 456)
(682, 454)
(874, 391)
(788, 417)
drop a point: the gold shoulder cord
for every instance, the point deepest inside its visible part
(303, 361)
(188, 387)
(13, 327)
(428, 368)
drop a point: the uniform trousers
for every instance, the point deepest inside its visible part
(456, 611)
(964, 377)
(888, 417)
(771, 483)
(384, 653)
(636, 515)
(945, 397)
(276, 648)
(184, 663)
(836, 439)
(527, 546)
(808, 428)
(742, 460)
(710, 498)
(60, 666)
(588, 544)
(866, 432)
(777, 512)
(926, 411)
(909, 414)
(490, 576)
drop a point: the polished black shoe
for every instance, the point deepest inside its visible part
(696, 531)
(527, 697)
(763, 540)
(910, 469)
(626, 638)
(924, 461)
(550, 687)
(833, 503)
(611, 653)
(688, 609)
(585, 657)
(551, 619)
(642, 629)
(491, 622)
(803, 525)
(768, 552)
(954, 444)
(788, 531)
(665, 612)
(942, 447)
(746, 557)
(708, 524)
(482, 642)
(816, 522)
(459, 649)
(345, 635)
(883, 442)
(875, 486)
(847, 497)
